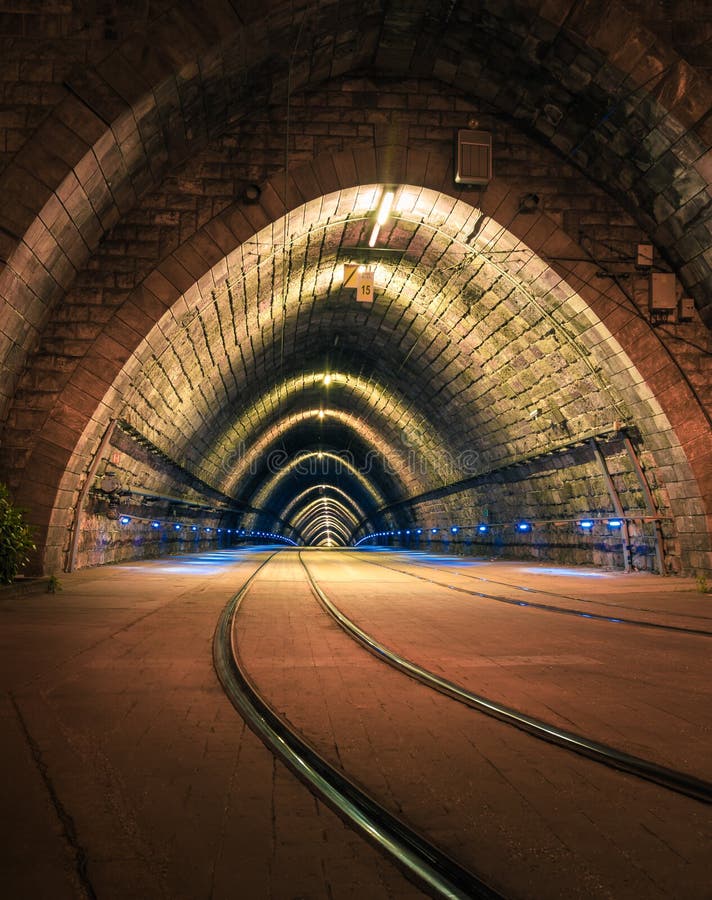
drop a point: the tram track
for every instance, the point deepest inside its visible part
(422, 861)
(668, 778)
(546, 607)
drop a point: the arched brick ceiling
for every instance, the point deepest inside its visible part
(600, 88)
(469, 356)
(305, 499)
(623, 109)
(472, 354)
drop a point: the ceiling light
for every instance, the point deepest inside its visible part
(385, 207)
(327, 379)
(374, 235)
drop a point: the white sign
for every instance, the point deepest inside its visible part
(364, 287)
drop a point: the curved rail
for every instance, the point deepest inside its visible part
(421, 861)
(548, 607)
(671, 779)
(545, 592)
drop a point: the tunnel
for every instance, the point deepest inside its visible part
(247, 289)
(355, 449)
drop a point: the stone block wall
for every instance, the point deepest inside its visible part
(553, 495)
(415, 116)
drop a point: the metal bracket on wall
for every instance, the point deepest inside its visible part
(615, 500)
(649, 501)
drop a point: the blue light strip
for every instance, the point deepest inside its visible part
(523, 526)
(215, 533)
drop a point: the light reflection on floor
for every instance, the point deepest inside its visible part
(472, 561)
(209, 563)
(582, 573)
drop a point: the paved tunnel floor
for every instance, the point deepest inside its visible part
(133, 776)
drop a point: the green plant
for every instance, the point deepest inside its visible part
(15, 539)
(53, 584)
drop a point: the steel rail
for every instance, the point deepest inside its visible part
(421, 861)
(562, 610)
(545, 592)
(671, 779)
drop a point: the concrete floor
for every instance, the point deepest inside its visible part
(132, 775)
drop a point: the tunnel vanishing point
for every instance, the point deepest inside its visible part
(432, 274)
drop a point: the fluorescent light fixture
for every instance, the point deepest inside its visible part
(374, 235)
(385, 207)
(327, 379)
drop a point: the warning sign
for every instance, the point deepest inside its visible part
(350, 275)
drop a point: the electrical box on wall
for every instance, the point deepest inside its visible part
(663, 294)
(473, 163)
(644, 258)
(687, 309)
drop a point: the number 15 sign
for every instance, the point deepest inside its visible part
(362, 280)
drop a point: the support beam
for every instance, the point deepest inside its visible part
(615, 500)
(649, 502)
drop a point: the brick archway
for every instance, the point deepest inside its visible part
(98, 386)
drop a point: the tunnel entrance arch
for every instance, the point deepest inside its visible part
(507, 274)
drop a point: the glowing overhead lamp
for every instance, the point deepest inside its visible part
(385, 207)
(327, 379)
(483, 528)
(124, 520)
(586, 524)
(524, 526)
(374, 235)
(321, 414)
